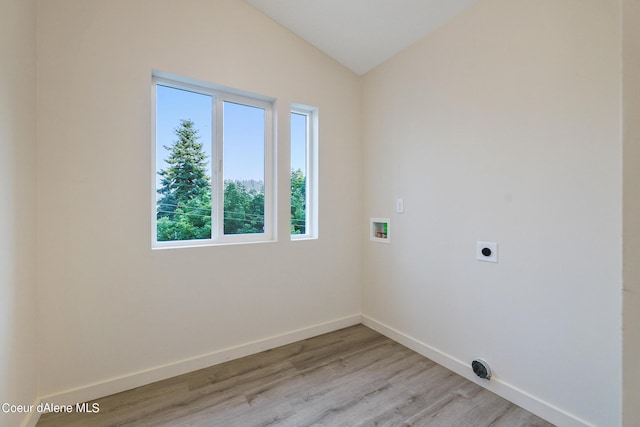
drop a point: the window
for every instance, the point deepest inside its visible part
(304, 155)
(213, 174)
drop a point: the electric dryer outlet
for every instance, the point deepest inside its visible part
(487, 251)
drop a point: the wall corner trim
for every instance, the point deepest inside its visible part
(32, 417)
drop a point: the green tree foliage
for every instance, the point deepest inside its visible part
(184, 206)
(191, 220)
(243, 209)
(298, 202)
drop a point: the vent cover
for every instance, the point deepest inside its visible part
(481, 368)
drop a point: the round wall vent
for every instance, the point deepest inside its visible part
(481, 368)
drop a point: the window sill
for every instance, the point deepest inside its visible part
(191, 245)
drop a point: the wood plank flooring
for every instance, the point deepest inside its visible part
(351, 377)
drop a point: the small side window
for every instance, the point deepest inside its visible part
(304, 167)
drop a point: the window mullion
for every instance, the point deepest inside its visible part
(214, 167)
(219, 196)
(268, 173)
(309, 174)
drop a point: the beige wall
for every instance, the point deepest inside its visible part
(631, 166)
(504, 126)
(18, 316)
(109, 305)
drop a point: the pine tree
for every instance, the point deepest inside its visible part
(185, 188)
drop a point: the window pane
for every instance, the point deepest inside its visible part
(183, 167)
(243, 165)
(299, 146)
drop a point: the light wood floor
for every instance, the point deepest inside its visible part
(351, 377)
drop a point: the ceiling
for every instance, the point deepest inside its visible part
(361, 34)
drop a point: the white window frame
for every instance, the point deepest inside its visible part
(311, 193)
(219, 95)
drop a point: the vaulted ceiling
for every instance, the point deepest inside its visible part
(361, 34)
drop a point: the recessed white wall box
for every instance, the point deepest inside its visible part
(487, 251)
(380, 230)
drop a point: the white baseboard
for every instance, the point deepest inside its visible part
(521, 398)
(137, 379)
(126, 382)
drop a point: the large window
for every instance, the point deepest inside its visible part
(212, 165)
(304, 188)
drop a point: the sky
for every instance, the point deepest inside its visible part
(243, 132)
(298, 141)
